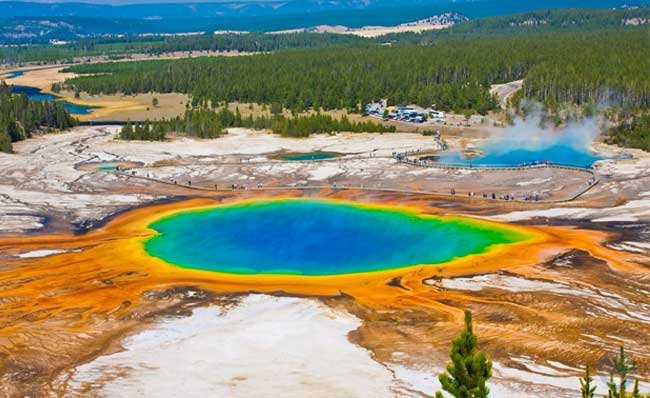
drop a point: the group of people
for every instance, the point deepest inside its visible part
(494, 196)
(241, 187)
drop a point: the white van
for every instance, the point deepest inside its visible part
(437, 114)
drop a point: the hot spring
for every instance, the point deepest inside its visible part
(309, 156)
(309, 237)
(568, 148)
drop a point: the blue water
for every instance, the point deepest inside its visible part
(35, 94)
(309, 156)
(500, 154)
(11, 75)
(556, 154)
(309, 237)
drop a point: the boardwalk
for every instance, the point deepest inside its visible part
(593, 180)
(400, 158)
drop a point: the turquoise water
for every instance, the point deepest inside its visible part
(495, 155)
(310, 156)
(107, 168)
(569, 147)
(309, 237)
(35, 94)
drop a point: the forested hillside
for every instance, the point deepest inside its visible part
(37, 22)
(453, 74)
(300, 79)
(633, 131)
(533, 22)
(20, 118)
(155, 45)
(541, 21)
(609, 69)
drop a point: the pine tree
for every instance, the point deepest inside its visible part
(14, 131)
(585, 384)
(469, 371)
(276, 108)
(238, 119)
(622, 368)
(5, 142)
(127, 132)
(611, 387)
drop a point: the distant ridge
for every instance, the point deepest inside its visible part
(255, 8)
(32, 23)
(441, 21)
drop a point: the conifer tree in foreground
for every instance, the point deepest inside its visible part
(585, 383)
(622, 368)
(469, 371)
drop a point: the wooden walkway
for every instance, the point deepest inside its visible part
(572, 197)
(400, 157)
(592, 182)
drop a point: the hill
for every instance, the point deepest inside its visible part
(27, 22)
(534, 22)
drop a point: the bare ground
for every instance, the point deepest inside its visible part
(538, 321)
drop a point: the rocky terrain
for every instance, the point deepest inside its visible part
(82, 312)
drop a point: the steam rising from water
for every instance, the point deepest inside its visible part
(531, 134)
(527, 142)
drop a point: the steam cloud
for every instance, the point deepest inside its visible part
(532, 134)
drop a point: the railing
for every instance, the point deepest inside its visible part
(235, 187)
(403, 157)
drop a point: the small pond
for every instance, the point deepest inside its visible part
(309, 156)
